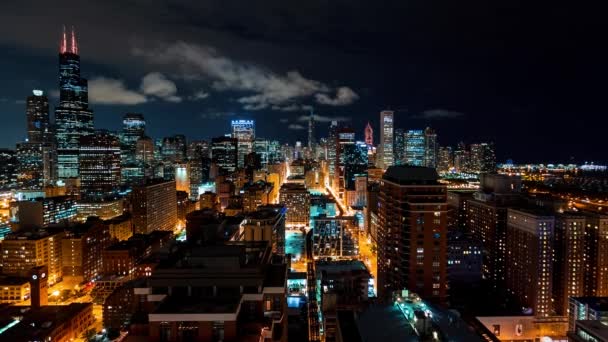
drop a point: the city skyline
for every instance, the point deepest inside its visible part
(460, 96)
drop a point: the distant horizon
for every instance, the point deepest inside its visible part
(531, 88)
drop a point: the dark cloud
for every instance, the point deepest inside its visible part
(439, 114)
(296, 127)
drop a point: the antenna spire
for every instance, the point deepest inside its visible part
(64, 45)
(74, 49)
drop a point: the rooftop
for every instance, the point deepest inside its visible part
(348, 326)
(11, 280)
(411, 175)
(595, 328)
(340, 266)
(195, 305)
(36, 324)
(594, 303)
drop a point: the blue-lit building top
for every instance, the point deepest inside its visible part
(414, 147)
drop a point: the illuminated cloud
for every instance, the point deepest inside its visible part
(268, 89)
(111, 91)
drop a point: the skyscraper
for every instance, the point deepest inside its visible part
(311, 130)
(412, 233)
(38, 123)
(133, 128)
(369, 135)
(354, 158)
(386, 139)
(414, 147)
(73, 118)
(430, 148)
(244, 132)
(445, 159)
(173, 148)
(332, 145)
(346, 137)
(482, 157)
(224, 153)
(399, 149)
(37, 155)
(99, 165)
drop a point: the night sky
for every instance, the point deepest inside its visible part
(528, 75)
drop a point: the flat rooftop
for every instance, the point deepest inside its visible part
(595, 303)
(385, 323)
(403, 174)
(11, 280)
(340, 266)
(196, 305)
(595, 328)
(37, 323)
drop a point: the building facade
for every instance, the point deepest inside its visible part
(412, 233)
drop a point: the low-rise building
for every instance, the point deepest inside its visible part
(14, 289)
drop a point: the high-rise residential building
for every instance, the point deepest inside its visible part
(73, 118)
(244, 132)
(387, 157)
(596, 252)
(296, 199)
(38, 122)
(412, 233)
(99, 165)
(487, 221)
(81, 250)
(430, 148)
(415, 147)
(154, 206)
(133, 129)
(569, 260)
(224, 153)
(529, 259)
(24, 250)
(332, 145)
(458, 209)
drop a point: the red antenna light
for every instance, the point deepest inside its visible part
(64, 45)
(74, 44)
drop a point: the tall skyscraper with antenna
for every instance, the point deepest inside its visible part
(73, 118)
(311, 130)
